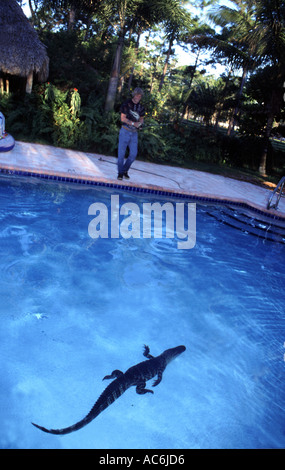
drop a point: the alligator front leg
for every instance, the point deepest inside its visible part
(115, 374)
(141, 390)
(146, 352)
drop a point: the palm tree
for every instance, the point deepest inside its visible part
(258, 30)
(121, 6)
(205, 99)
(70, 6)
(237, 23)
(265, 89)
(270, 35)
(193, 37)
(124, 12)
(177, 24)
(144, 20)
(127, 13)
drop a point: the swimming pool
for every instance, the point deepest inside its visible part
(75, 308)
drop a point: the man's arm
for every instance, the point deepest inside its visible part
(125, 120)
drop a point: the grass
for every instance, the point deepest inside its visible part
(241, 174)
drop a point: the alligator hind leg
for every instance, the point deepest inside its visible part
(146, 352)
(158, 380)
(141, 390)
(115, 374)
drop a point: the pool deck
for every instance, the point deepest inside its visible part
(48, 160)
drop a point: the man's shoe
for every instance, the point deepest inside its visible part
(126, 176)
(120, 176)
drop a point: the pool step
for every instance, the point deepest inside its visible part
(260, 225)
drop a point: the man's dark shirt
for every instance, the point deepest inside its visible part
(132, 111)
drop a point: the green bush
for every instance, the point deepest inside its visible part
(55, 116)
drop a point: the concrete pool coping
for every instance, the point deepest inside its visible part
(72, 165)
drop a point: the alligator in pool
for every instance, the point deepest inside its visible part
(135, 376)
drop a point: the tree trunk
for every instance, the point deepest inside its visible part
(274, 106)
(166, 64)
(88, 25)
(121, 85)
(263, 160)
(133, 68)
(71, 19)
(29, 84)
(224, 92)
(153, 74)
(114, 78)
(232, 124)
(186, 106)
(32, 19)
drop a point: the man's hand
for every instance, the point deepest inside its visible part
(137, 124)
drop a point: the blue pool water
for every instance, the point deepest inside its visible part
(73, 309)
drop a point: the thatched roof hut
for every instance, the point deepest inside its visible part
(21, 51)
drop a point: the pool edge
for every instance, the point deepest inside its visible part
(63, 177)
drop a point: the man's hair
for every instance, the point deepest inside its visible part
(137, 91)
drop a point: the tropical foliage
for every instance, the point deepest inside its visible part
(100, 50)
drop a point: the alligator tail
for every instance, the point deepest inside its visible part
(109, 395)
(75, 427)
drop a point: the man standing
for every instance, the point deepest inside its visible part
(132, 113)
